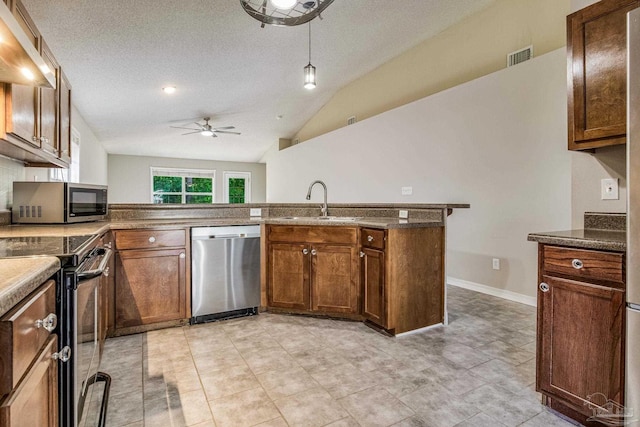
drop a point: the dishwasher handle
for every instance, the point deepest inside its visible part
(227, 236)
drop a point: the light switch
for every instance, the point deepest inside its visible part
(255, 212)
(406, 191)
(609, 189)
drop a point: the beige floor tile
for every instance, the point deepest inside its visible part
(286, 382)
(276, 422)
(223, 358)
(343, 380)
(345, 422)
(125, 409)
(227, 381)
(311, 408)
(246, 408)
(376, 407)
(270, 359)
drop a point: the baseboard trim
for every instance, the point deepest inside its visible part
(490, 290)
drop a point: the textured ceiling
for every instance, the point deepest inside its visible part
(118, 54)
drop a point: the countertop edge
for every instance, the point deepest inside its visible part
(16, 287)
(576, 242)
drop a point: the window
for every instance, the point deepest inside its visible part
(73, 173)
(188, 186)
(237, 187)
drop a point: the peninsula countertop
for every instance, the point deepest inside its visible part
(608, 240)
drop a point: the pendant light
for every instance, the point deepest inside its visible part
(309, 70)
(284, 4)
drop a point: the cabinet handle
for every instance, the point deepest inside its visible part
(106, 272)
(369, 238)
(182, 255)
(63, 355)
(49, 323)
(108, 245)
(305, 251)
(35, 138)
(313, 252)
(544, 287)
(152, 239)
(577, 264)
(361, 254)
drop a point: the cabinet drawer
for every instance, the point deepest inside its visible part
(20, 330)
(583, 263)
(149, 239)
(372, 238)
(311, 234)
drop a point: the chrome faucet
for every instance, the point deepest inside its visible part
(324, 208)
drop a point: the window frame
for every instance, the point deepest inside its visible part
(236, 174)
(183, 173)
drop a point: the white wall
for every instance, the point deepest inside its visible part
(10, 170)
(496, 142)
(130, 176)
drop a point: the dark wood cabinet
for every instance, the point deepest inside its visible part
(580, 347)
(597, 74)
(64, 118)
(151, 279)
(47, 113)
(313, 269)
(372, 273)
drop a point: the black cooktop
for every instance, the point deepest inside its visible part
(69, 249)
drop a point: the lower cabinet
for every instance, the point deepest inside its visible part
(28, 369)
(151, 279)
(372, 273)
(581, 314)
(308, 275)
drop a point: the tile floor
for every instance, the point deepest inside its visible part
(277, 370)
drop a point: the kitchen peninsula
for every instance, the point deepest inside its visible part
(390, 269)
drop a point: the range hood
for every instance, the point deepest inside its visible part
(20, 61)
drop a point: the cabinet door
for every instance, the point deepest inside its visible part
(597, 74)
(334, 278)
(288, 275)
(372, 271)
(48, 119)
(150, 286)
(21, 111)
(580, 342)
(64, 118)
(35, 401)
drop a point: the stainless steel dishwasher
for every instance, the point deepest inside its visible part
(225, 272)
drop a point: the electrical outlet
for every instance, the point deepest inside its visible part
(406, 191)
(403, 214)
(609, 189)
(496, 263)
(255, 212)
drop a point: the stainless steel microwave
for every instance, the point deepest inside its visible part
(57, 202)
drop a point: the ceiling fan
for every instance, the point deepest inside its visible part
(206, 129)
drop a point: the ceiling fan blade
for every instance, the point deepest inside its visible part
(189, 133)
(180, 127)
(224, 131)
(225, 127)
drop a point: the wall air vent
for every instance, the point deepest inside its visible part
(519, 56)
(351, 120)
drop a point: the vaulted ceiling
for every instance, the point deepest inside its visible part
(118, 54)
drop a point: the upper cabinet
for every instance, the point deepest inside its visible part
(597, 74)
(36, 127)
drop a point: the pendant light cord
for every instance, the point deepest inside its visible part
(309, 42)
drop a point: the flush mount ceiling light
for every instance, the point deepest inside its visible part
(278, 12)
(169, 89)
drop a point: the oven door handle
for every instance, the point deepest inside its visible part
(90, 274)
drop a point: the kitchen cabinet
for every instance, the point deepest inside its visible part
(580, 348)
(313, 269)
(29, 374)
(402, 274)
(151, 283)
(36, 127)
(597, 74)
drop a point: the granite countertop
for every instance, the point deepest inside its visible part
(373, 222)
(21, 276)
(609, 240)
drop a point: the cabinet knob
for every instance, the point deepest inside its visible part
(63, 355)
(361, 254)
(544, 287)
(577, 264)
(108, 245)
(49, 323)
(305, 251)
(313, 252)
(35, 138)
(152, 239)
(182, 255)
(106, 272)
(369, 238)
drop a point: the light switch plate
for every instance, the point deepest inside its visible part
(403, 214)
(609, 189)
(406, 191)
(255, 212)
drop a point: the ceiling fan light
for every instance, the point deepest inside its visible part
(206, 132)
(284, 4)
(309, 77)
(169, 89)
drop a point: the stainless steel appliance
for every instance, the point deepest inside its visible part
(225, 272)
(79, 329)
(57, 202)
(632, 366)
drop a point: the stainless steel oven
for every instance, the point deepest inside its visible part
(57, 202)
